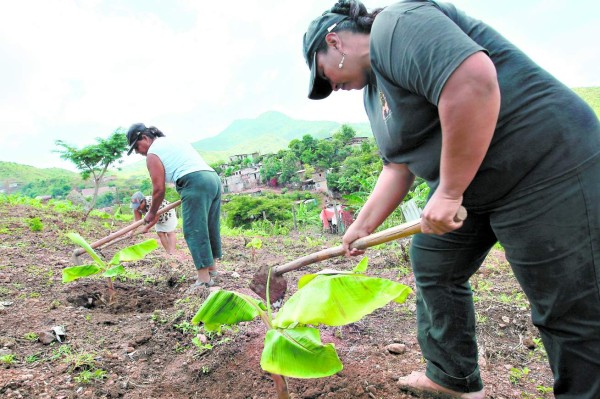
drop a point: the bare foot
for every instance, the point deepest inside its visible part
(420, 384)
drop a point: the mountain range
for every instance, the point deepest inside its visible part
(269, 132)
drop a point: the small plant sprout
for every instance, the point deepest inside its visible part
(111, 269)
(35, 224)
(254, 245)
(32, 358)
(31, 336)
(8, 359)
(291, 347)
(515, 374)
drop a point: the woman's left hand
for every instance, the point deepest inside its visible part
(439, 215)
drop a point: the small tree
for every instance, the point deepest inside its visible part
(94, 160)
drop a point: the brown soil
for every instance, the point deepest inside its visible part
(143, 340)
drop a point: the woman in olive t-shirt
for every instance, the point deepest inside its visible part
(452, 101)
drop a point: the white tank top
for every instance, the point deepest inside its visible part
(177, 157)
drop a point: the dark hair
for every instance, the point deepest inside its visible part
(153, 132)
(359, 19)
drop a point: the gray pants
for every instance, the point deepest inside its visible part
(551, 235)
(201, 210)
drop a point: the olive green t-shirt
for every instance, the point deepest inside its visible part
(544, 130)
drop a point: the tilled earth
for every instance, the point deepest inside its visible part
(141, 346)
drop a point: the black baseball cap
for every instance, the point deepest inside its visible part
(318, 88)
(133, 135)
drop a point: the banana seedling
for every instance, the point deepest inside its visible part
(109, 270)
(292, 348)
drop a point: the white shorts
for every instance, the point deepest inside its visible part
(168, 226)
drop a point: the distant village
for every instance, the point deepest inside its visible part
(247, 179)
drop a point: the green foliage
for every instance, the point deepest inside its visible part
(591, 95)
(31, 336)
(419, 192)
(60, 352)
(89, 376)
(37, 181)
(187, 328)
(241, 211)
(63, 206)
(292, 348)
(17, 199)
(35, 224)
(255, 243)
(111, 269)
(57, 187)
(544, 389)
(344, 134)
(106, 199)
(8, 359)
(289, 166)
(515, 374)
(94, 160)
(358, 171)
(308, 215)
(32, 358)
(270, 168)
(79, 360)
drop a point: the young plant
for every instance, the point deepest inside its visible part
(255, 245)
(35, 224)
(111, 269)
(31, 336)
(8, 359)
(291, 347)
(515, 374)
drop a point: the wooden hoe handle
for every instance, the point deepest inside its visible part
(127, 229)
(387, 235)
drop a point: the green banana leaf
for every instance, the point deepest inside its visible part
(79, 240)
(362, 265)
(227, 307)
(134, 252)
(336, 300)
(307, 278)
(114, 271)
(75, 272)
(299, 353)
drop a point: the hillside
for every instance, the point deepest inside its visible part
(269, 132)
(591, 95)
(11, 172)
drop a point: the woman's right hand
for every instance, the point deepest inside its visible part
(354, 232)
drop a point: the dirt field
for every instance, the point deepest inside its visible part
(141, 346)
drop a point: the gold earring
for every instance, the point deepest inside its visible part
(341, 64)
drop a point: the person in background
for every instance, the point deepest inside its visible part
(164, 224)
(452, 101)
(198, 185)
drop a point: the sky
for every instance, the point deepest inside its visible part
(76, 70)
